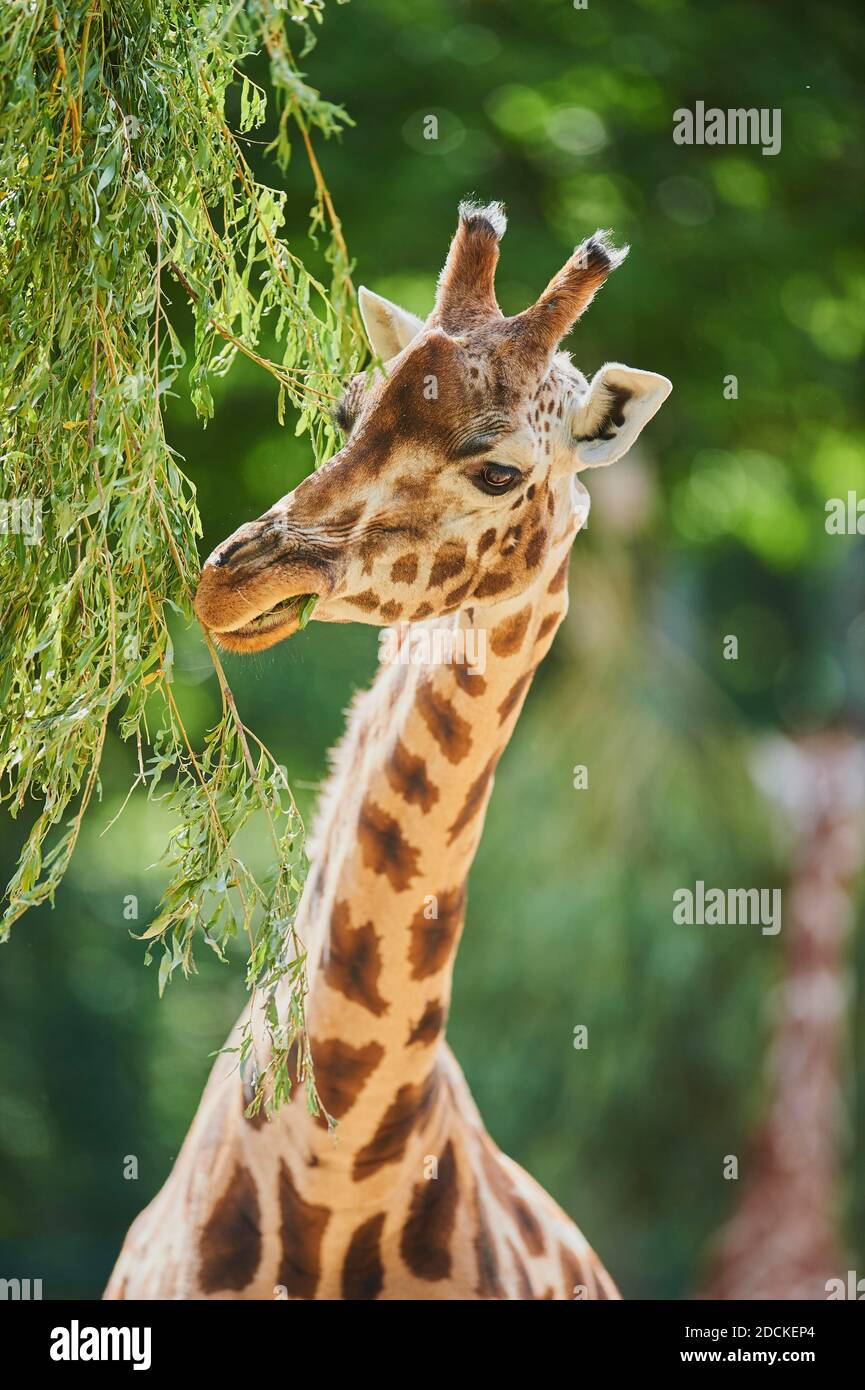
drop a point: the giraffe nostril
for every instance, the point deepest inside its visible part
(225, 553)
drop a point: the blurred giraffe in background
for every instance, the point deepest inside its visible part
(451, 509)
(782, 1241)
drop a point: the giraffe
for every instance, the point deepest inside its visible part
(782, 1241)
(450, 511)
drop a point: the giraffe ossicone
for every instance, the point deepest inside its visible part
(456, 509)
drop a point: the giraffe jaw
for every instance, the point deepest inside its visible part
(283, 620)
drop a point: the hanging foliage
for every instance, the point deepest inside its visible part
(126, 195)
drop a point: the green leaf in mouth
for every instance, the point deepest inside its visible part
(305, 610)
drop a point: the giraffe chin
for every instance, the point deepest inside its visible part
(270, 627)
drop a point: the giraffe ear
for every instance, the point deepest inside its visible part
(620, 402)
(388, 327)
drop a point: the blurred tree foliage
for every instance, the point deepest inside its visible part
(741, 265)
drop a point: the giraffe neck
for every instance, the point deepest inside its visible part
(400, 823)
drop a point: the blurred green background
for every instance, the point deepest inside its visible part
(741, 264)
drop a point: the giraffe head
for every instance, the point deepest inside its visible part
(459, 460)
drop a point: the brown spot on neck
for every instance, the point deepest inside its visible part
(384, 848)
(474, 799)
(470, 683)
(362, 1269)
(387, 1145)
(501, 1184)
(560, 578)
(342, 1071)
(230, 1245)
(426, 1237)
(429, 1026)
(522, 1273)
(451, 732)
(515, 695)
(352, 965)
(508, 637)
(408, 776)
(433, 939)
(302, 1228)
(549, 624)
(489, 1283)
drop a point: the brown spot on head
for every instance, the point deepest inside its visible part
(426, 1237)
(495, 582)
(362, 1268)
(384, 848)
(229, 1247)
(451, 732)
(348, 518)
(411, 495)
(388, 1143)
(352, 964)
(433, 939)
(508, 637)
(404, 570)
(408, 776)
(302, 1228)
(535, 548)
(368, 601)
(342, 1071)
(448, 562)
(454, 597)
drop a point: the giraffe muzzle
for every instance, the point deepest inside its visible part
(257, 588)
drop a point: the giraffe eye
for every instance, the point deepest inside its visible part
(494, 478)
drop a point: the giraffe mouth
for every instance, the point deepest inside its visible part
(282, 620)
